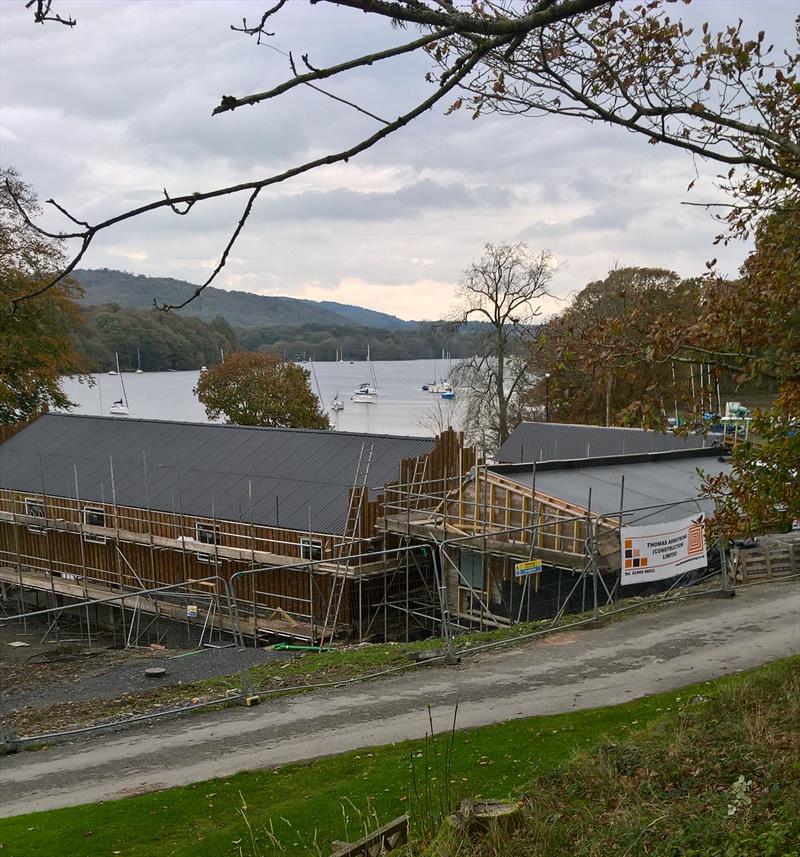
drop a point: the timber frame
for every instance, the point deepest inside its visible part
(284, 580)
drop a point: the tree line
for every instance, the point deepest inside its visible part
(159, 341)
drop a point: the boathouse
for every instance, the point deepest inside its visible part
(564, 513)
(91, 506)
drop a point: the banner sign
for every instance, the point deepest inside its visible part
(523, 568)
(659, 551)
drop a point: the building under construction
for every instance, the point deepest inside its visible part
(316, 534)
(91, 507)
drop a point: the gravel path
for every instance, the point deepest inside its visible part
(112, 673)
(693, 641)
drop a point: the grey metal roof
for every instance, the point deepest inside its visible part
(661, 482)
(174, 466)
(560, 441)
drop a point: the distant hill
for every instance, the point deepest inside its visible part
(241, 309)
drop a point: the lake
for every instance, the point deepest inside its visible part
(402, 406)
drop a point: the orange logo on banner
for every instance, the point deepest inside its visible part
(695, 544)
(632, 558)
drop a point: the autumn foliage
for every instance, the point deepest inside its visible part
(259, 389)
(36, 347)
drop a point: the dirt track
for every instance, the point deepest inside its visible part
(697, 640)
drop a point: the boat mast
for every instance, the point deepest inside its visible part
(121, 382)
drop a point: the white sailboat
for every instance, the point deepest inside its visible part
(367, 392)
(441, 386)
(139, 362)
(120, 407)
(337, 404)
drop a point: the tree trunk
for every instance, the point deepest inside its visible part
(609, 388)
(502, 401)
(486, 817)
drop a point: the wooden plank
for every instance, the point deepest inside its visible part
(381, 841)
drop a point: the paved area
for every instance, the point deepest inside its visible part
(694, 641)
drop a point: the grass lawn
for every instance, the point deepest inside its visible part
(330, 799)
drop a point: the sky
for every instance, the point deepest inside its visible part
(104, 116)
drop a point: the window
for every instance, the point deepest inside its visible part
(471, 582)
(35, 509)
(94, 518)
(471, 568)
(208, 534)
(311, 549)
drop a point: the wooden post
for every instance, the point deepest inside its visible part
(14, 526)
(80, 533)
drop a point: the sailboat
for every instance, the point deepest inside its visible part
(367, 392)
(337, 404)
(440, 386)
(139, 362)
(120, 407)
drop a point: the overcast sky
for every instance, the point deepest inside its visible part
(103, 116)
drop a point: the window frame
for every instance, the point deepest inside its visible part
(310, 546)
(214, 532)
(35, 501)
(91, 537)
(468, 589)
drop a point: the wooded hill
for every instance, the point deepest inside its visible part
(119, 316)
(167, 340)
(241, 309)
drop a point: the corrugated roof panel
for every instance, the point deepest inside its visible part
(189, 466)
(561, 441)
(661, 485)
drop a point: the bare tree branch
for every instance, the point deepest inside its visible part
(717, 96)
(41, 13)
(468, 64)
(228, 102)
(223, 258)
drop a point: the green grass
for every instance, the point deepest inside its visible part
(323, 800)
(720, 777)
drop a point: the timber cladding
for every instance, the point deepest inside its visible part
(144, 503)
(134, 547)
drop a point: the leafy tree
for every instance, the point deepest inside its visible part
(501, 290)
(162, 340)
(35, 343)
(762, 491)
(587, 350)
(753, 327)
(259, 389)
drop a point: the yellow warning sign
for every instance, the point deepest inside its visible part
(523, 568)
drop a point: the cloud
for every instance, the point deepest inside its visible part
(413, 199)
(105, 116)
(421, 299)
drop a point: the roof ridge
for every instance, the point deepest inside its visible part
(331, 432)
(588, 426)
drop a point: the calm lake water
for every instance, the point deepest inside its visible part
(402, 407)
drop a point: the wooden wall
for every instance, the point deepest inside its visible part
(145, 548)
